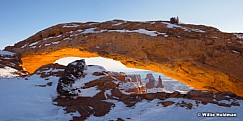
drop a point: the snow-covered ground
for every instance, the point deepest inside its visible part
(152, 111)
(24, 100)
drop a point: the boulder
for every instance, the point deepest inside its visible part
(201, 95)
(162, 95)
(167, 103)
(72, 72)
(175, 94)
(224, 96)
(149, 96)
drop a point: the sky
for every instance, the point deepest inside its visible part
(19, 19)
(108, 64)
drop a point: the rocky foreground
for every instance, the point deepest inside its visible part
(200, 56)
(92, 91)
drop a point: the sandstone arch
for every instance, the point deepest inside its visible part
(205, 59)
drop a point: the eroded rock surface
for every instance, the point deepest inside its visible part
(200, 56)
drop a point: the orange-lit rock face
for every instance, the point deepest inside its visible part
(34, 61)
(205, 60)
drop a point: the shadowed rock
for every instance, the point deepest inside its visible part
(73, 71)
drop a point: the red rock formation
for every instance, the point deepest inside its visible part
(137, 90)
(197, 55)
(134, 84)
(150, 81)
(160, 84)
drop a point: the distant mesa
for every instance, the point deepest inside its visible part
(197, 55)
(150, 82)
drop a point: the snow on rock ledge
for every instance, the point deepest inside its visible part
(6, 53)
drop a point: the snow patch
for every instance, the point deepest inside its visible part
(141, 31)
(24, 46)
(121, 31)
(234, 51)
(6, 53)
(240, 36)
(22, 100)
(89, 92)
(153, 22)
(67, 38)
(59, 35)
(117, 24)
(155, 90)
(169, 25)
(48, 38)
(92, 23)
(70, 26)
(32, 44)
(8, 72)
(33, 47)
(54, 43)
(90, 30)
(47, 44)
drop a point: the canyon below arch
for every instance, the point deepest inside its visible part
(200, 56)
